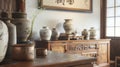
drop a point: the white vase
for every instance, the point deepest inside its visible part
(68, 26)
(45, 33)
(3, 40)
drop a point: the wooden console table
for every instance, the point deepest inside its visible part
(91, 48)
(53, 59)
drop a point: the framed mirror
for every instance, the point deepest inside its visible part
(72, 5)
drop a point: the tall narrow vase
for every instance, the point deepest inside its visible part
(3, 40)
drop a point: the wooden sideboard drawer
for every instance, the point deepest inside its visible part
(91, 48)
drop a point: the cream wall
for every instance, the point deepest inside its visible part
(55, 18)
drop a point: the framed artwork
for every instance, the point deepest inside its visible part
(73, 5)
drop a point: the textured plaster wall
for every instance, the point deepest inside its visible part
(55, 18)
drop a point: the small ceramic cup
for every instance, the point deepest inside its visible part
(41, 52)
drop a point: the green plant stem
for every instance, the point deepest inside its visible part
(33, 20)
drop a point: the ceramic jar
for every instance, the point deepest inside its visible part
(85, 34)
(68, 27)
(55, 34)
(92, 33)
(23, 51)
(12, 36)
(23, 26)
(41, 52)
(45, 33)
(3, 40)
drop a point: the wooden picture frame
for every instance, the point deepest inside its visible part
(72, 5)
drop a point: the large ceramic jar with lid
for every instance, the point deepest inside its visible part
(23, 26)
(3, 40)
(68, 26)
(45, 33)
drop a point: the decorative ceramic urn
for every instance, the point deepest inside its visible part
(68, 27)
(3, 40)
(23, 26)
(45, 33)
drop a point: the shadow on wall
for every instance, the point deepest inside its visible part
(60, 28)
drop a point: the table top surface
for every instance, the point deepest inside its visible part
(52, 58)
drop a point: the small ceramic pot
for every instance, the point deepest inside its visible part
(45, 33)
(41, 52)
(92, 33)
(85, 34)
(55, 34)
(23, 52)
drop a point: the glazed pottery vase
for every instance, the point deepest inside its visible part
(68, 27)
(12, 32)
(45, 33)
(92, 33)
(23, 26)
(85, 34)
(3, 40)
(55, 34)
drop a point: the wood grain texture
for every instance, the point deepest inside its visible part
(54, 59)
